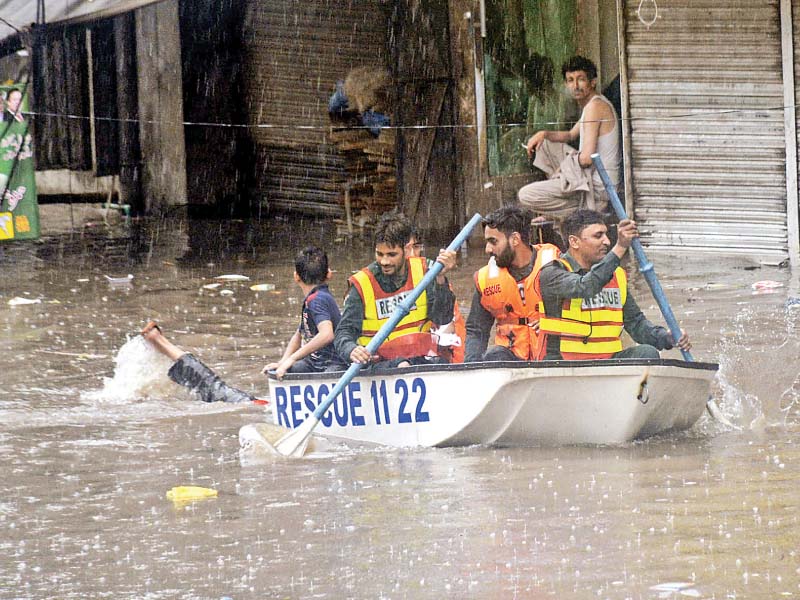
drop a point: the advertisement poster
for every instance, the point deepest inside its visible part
(19, 211)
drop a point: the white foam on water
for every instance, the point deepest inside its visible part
(140, 373)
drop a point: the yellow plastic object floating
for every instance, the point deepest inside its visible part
(188, 493)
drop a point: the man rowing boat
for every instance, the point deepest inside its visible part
(586, 303)
(378, 288)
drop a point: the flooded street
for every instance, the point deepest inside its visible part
(87, 457)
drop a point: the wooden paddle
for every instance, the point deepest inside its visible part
(646, 268)
(294, 443)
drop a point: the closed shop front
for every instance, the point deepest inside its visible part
(707, 146)
(296, 52)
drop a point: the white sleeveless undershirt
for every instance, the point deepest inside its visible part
(607, 145)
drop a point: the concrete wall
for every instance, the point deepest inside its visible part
(64, 181)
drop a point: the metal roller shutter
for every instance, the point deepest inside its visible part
(298, 49)
(793, 216)
(707, 135)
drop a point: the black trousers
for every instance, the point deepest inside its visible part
(189, 372)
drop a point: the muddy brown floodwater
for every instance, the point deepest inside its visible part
(86, 457)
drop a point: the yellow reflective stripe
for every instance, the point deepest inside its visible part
(368, 295)
(550, 325)
(597, 316)
(417, 272)
(605, 331)
(578, 347)
(606, 316)
(581, 329)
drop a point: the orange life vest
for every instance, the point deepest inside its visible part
(515, 305)
(458, 326)
(590, 329)
(411, 337)
(461, 331)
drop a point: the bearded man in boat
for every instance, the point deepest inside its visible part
(585, 296)
(507, 290)
(377, 289)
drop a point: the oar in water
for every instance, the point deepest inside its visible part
(646, 268)
(294, 443)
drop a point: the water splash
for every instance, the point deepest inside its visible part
(140, 372)
(753, 355)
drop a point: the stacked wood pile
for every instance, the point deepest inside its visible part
(369, 185)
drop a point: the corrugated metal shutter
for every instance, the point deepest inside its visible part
(796, 61)
(707, 136)
(298, 49)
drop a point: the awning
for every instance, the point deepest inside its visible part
(20, 14)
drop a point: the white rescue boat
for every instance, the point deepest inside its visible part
(504, 404)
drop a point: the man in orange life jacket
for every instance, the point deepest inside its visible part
(586, 300)
(507, 290)
(378, 288)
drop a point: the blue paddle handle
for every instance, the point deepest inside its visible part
(398, 315)
(645, 266)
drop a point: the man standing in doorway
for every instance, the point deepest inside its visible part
(572, 181)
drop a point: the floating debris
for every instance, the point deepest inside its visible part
(78, 355)
(232, 277)
(18, 301)
(675, 589)
(263, 287)
(119, 280)
(211, 286)
(226, 292)
(767, 284)
(190, 493)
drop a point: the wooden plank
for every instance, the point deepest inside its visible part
(161, 106)
(419, 144)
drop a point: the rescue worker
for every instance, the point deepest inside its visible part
(507, 290)
(585, 296)
(377, 289)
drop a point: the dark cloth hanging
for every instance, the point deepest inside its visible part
(60, 80)
(104, 87)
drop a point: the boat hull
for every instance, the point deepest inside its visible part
(507, 404)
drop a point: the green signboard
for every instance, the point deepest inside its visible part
(19, 211)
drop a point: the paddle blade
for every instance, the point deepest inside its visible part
(716, 412)
(294, 443)
(257, 441)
